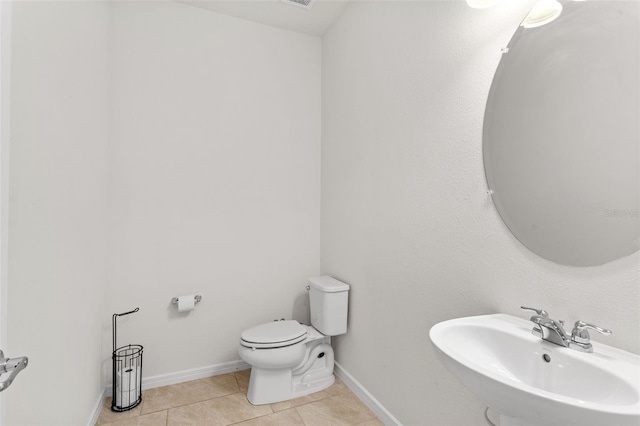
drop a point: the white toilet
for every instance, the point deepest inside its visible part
(289, 359)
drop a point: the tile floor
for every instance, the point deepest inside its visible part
(221, 400)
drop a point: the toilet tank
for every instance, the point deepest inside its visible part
(328, 299)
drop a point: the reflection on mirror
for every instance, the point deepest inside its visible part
(481, 4)
(542, 13)
(561, 134)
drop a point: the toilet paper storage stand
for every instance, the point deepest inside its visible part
(127, 372)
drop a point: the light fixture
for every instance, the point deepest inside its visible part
(481, 4)
(542, 13)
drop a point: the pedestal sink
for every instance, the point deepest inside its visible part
(531, 382)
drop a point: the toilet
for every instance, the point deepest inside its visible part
(289, 359)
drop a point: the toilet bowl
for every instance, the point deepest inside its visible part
(281, 370)
(289, 359)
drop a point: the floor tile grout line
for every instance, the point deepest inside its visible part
(302, 405)
(252, 418)
(300, 415)
(189, 403)
(235, 376)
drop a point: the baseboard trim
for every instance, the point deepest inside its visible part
(194, 374)
(97, 409)
(383, 414)
(176, 377)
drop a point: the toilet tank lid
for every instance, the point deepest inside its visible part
(328, 284)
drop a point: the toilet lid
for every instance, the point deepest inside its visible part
(274, 334)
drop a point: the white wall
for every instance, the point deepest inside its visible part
(215, 179)
(58, 209)
(193, 140)
(405, 216)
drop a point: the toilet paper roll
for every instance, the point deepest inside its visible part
(127, 384)
(128, 378)
(126, 398)
(186, 303)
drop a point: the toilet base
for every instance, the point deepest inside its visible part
(303, 389)
(268, 385)
(278, 393)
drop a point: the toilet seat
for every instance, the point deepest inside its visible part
(274, 334)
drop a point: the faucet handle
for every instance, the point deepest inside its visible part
(580, 338)
(580, 331)
(540, 312)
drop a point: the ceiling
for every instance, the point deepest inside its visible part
(314, 21)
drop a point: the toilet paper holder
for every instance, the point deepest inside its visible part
(197, 299)
(126, 391)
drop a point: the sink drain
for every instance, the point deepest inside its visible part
(546, 358)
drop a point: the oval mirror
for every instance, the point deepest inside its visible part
(561, 134)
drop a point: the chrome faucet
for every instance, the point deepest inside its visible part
(553, 331)
(547, 328)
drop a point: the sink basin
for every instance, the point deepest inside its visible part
(528, 381)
